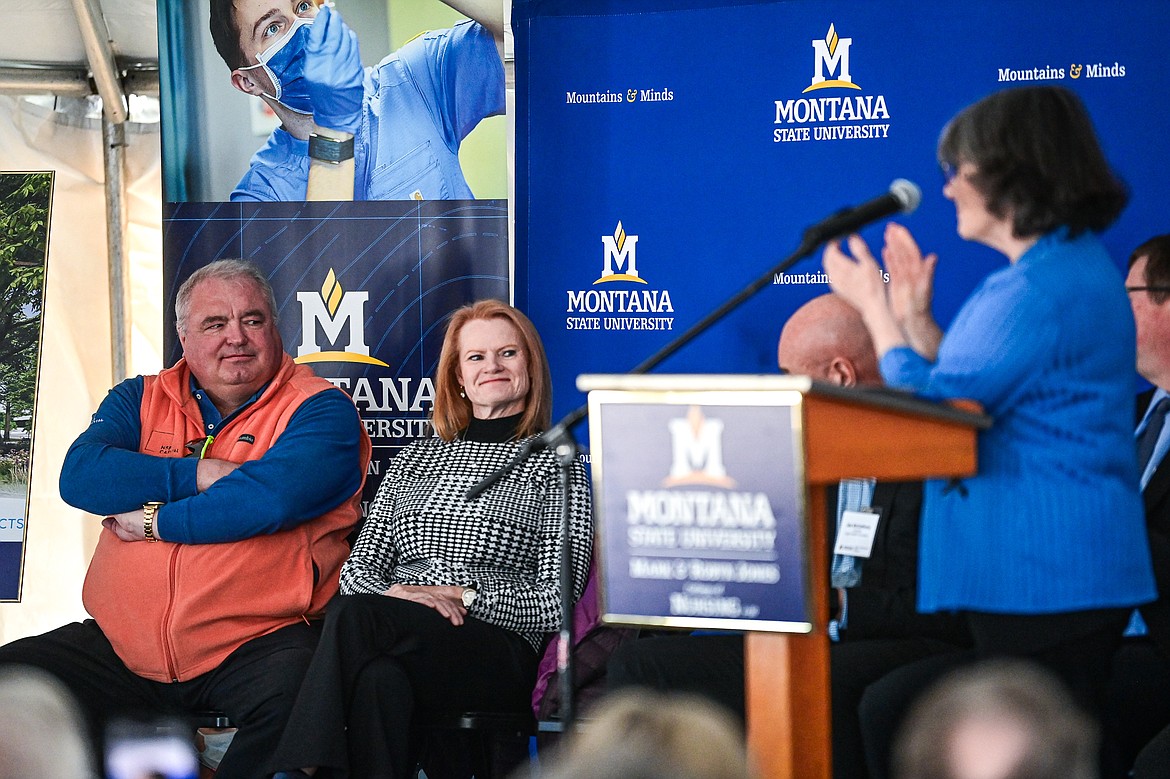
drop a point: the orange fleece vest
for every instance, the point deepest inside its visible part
(175, 611)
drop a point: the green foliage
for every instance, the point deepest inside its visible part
(14, 467)
(24, 235)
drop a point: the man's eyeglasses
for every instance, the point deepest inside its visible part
(1147, 289)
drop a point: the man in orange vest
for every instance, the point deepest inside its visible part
(228, 484)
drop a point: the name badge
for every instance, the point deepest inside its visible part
(856, 532)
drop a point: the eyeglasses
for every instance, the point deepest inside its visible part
(950, 171)
(1147, 289)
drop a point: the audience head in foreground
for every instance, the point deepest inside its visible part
(646, 735)
(997, 720)
(44, 734)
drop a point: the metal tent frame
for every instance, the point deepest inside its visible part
(113, 79)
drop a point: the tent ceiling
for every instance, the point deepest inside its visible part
(107, 40)
(46, 31)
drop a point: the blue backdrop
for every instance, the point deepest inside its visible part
(698, 127)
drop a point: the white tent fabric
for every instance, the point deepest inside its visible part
(75, 370)
(49, 31)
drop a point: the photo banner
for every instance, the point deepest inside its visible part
(25, 205)
(363, 287)
(237, 109)
(363, 291)
(669, 154)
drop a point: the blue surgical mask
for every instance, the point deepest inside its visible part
(284, 62)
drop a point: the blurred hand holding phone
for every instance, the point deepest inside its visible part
(158, 749)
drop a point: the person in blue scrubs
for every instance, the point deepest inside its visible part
(408, 114)
(1044, 549)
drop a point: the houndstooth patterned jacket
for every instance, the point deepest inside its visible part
(506, 543)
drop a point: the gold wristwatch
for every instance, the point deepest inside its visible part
(149, 512)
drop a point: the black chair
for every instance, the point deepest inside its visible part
(216, 720)
(493, 744)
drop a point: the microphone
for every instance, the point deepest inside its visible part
(904, 196)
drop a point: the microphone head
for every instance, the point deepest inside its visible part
(907, 194)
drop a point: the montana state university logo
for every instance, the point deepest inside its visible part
(620, 250)
(697, 452)
(831, 55)
(851, 116)
(618, 307)
(335, 310)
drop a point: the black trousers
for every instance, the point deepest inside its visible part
(383, 667)
(713, 667)
(255, 686)
(1138, 706)
(1075, 646)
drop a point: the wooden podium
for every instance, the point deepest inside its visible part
(844, 433)
(848, 433)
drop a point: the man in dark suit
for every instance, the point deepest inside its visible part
(1140, 687)
(875, 625)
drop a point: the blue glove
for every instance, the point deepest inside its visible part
(334, 72)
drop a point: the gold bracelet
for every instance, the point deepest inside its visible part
(149, 512)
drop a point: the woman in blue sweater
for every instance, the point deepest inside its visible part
(1045, 548)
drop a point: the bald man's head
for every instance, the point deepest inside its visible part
(827, 340)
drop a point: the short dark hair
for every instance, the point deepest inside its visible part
(1037, 158)
(225, 270)
(1157, 253)
(225, 33)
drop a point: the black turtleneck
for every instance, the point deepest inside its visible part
(492, 431)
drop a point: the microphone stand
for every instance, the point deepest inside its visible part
(560, 438)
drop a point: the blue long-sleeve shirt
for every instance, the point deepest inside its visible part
(311, 468)
(1053, 520)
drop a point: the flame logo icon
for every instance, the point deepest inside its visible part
(830, 56)
(331, 292)
(620, 251)
(336, 314)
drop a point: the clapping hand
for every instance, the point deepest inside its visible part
(857, 279)
(911, 275)
(911, 290)
(863, 284)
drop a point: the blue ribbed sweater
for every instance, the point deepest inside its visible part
(1053, 520)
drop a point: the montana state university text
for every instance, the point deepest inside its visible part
(813, 110)
(619, 301)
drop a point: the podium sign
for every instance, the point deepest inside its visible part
(700, 503)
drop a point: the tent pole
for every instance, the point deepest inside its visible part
(99, 51)
(114, 148)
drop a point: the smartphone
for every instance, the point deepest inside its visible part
(151, 749)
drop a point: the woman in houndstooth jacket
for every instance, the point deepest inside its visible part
(445, 602)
